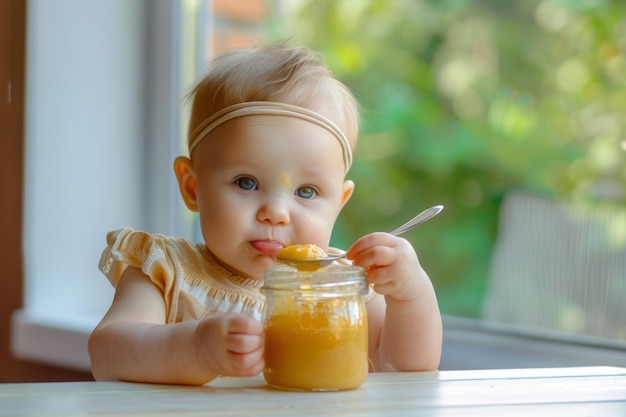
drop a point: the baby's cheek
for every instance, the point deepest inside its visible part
(318, 230)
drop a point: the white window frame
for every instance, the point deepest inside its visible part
(102, 126)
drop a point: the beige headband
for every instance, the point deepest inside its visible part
(252, 108)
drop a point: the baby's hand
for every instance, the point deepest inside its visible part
(230, 345)
(392, 265)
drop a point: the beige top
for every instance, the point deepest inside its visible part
(194, 284)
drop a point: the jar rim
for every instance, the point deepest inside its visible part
(331, 278)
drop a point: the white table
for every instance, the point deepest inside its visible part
(586, 391)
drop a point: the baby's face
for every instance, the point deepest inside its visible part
(264, 182)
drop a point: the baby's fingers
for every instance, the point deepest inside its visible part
(368, 242)
(238, 324)
(246, 363)
(244, 335)
(243, 343)
(376, 257)
(231, 344)
(381, 280)
(374, 250)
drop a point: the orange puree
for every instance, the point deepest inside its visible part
(317, 345)
(296, 252)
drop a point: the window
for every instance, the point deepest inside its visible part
(457, 110)
(101, 130)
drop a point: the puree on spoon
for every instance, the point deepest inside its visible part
(306, 258)
(297, 252)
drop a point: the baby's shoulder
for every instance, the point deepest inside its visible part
(141, 248)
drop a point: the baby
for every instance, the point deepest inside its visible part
(271, 137)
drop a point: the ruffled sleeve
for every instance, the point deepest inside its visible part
(150, 253)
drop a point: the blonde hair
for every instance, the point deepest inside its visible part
(279, 73)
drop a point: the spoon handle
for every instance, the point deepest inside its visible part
(417, 220)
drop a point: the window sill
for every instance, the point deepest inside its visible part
(467, 344)
(59, 341)
(478, 344)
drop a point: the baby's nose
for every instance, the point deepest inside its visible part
(274, 211)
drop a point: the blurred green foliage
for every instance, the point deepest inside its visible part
(464, 100)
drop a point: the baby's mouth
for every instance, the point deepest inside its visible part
(268, 247)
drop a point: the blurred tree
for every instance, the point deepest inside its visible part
(463, 100)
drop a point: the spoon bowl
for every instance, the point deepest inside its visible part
(315, 264)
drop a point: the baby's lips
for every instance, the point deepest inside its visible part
(268, 247)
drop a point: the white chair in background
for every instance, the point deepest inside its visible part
(560, 268)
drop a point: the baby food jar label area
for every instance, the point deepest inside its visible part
(315, 328)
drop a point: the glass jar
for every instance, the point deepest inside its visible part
(315, 328)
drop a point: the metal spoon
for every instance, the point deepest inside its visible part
(314, 264)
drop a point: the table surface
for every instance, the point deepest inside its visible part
(584, 391)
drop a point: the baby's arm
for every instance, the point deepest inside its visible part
(405, 326)
(133, 343)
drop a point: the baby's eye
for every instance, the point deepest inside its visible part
(306, 192)
(246, 183)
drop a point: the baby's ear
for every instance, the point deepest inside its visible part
(186, 181)
(348, 189)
